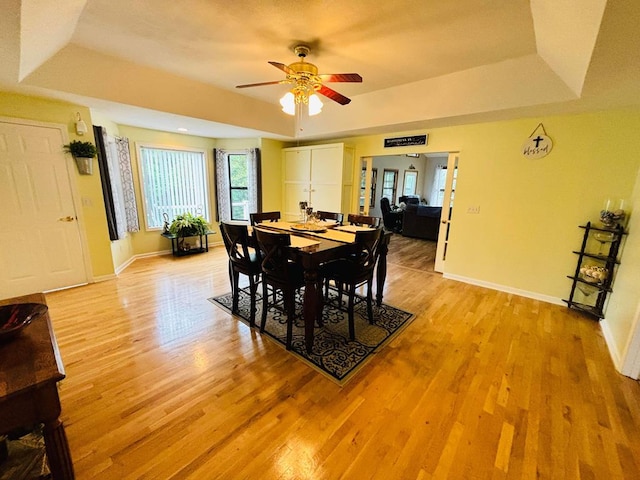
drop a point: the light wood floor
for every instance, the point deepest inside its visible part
(163, 384)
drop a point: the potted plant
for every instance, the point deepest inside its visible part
(188, 225)
(83, 153)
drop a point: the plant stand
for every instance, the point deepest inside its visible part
(177, 248)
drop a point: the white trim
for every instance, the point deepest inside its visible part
(505, 288)
(104, 278)
(631, 363)
(75, 193)
(616, 357)
(124, 265)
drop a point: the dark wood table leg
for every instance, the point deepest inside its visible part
(381, 272)
(310, 306)
(55, 438)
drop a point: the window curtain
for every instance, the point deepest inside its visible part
(437, 188)
(126, 176)
(107, 194)
(222, 181)
(114, 161)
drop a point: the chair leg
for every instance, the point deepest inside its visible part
(352, 327)
(370, 301)
(235, 289)
(265, 305)
(290, 308)
(252, 289)
(319, 302)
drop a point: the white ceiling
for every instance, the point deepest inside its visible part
(166, 64)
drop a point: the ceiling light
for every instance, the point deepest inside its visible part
(182, 129)
(315, 105)
(303, 93)
(288, 103)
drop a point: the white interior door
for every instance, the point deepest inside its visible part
(445, 218)
(40, 246)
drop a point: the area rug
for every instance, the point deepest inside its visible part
(333, 353)
(23, 457)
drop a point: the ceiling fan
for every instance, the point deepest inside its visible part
(307, 81)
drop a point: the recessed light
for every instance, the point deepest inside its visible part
(181, 129)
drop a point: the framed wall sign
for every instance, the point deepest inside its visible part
(537, 145)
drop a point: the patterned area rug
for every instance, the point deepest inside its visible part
(23, 458)
(333, 353)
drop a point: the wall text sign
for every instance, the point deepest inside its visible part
(405, 141)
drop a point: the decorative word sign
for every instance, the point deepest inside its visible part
(405, 141)
(537, 146)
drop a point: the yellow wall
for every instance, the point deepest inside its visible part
(92, 217)
(523, 238)
(271, 152)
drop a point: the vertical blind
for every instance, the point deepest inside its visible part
(174, 182)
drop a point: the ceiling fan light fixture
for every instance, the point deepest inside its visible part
(288, 103)
(315, 105)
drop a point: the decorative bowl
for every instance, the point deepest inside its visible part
(15, 317)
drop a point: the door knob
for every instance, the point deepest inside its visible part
(67, 219)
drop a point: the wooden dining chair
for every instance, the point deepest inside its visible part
(338, 217)
(354, 271)
(279, 274)
(363, 220)
(260, 217)
(242, 259)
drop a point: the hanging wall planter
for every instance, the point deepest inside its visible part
(83, 153)
(85, 165)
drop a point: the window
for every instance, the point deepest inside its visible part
(174, 181)
(389, 184)
(237, 177)
(374, 180)
(410, 182)
(238, 186)
(439, 182)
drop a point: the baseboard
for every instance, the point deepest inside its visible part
(103, 278)
(506, 289)
(124, 265)
(611, 344)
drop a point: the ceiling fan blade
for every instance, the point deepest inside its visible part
(283, 67)
(340, 77)
(333, 95)
(259, 84)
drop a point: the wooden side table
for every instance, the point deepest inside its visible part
(31, 370)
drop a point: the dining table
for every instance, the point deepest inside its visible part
(318, 243)
(30, 369)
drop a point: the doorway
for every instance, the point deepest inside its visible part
(43, 250)
(429, 181)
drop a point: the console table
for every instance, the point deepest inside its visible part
(177, 251)
(31, 370)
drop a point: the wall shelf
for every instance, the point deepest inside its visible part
(589, 294)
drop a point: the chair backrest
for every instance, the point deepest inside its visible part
(236, 241)
(274, 257)
(260, 217)
(368, 242)
(338, 217)
(409, 199)
(385, 206)
(363, 220)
